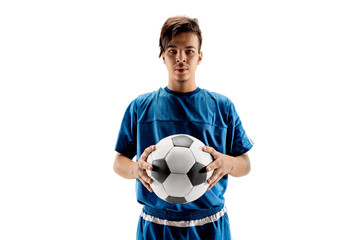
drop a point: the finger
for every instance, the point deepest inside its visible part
(146, 185)
(147, 152)
(213, 166)
(214, 179)
(208, 149)
(211, 151)
(145, 165)
(146, 181)
(211, 186)
(145, 178)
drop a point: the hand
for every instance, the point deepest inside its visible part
(221, 165)
(140, 167)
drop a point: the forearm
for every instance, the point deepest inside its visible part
(124, 166)
(240, 165)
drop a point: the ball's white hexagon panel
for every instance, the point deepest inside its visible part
(195, 139)
(200, 156)
(162, 148)
(196, 192)
(177, 185)
(159, 189)
(180, 160)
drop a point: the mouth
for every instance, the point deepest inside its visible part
(180, 70)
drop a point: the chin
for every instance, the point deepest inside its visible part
(181, 80)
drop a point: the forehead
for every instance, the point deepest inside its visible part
(182, 40)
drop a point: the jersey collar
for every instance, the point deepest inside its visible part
(183, 94)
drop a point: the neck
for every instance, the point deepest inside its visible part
(182, 87)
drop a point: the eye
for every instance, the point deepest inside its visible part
(172, 51)
(189, 51)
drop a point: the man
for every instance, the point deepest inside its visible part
(182, 108)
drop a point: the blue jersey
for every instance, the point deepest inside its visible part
(208, 116)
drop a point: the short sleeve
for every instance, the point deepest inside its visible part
(126, 142)
(237, 141)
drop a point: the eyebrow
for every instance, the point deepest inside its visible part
(173, 46)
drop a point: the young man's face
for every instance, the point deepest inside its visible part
(182, 57)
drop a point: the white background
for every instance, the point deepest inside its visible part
(68, 70)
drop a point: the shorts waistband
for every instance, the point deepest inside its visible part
(186, 215)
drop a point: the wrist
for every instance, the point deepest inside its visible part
(132, 169)
(232, 163)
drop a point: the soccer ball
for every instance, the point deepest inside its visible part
(179, 169)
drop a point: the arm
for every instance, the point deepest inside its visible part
(129, 169)
(224, 164)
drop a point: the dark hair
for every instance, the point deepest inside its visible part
(176, 25)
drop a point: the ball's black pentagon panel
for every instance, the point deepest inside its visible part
(160, 170)
(182, 141)
(197, 174)
(179, 200)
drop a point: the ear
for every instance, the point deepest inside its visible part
(163, 57)
(200, 57)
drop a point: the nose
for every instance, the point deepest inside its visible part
(181, 57)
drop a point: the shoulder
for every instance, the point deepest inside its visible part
(146, 98)
(218, 98)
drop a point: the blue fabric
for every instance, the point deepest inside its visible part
(208, 116)
(181, 216)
